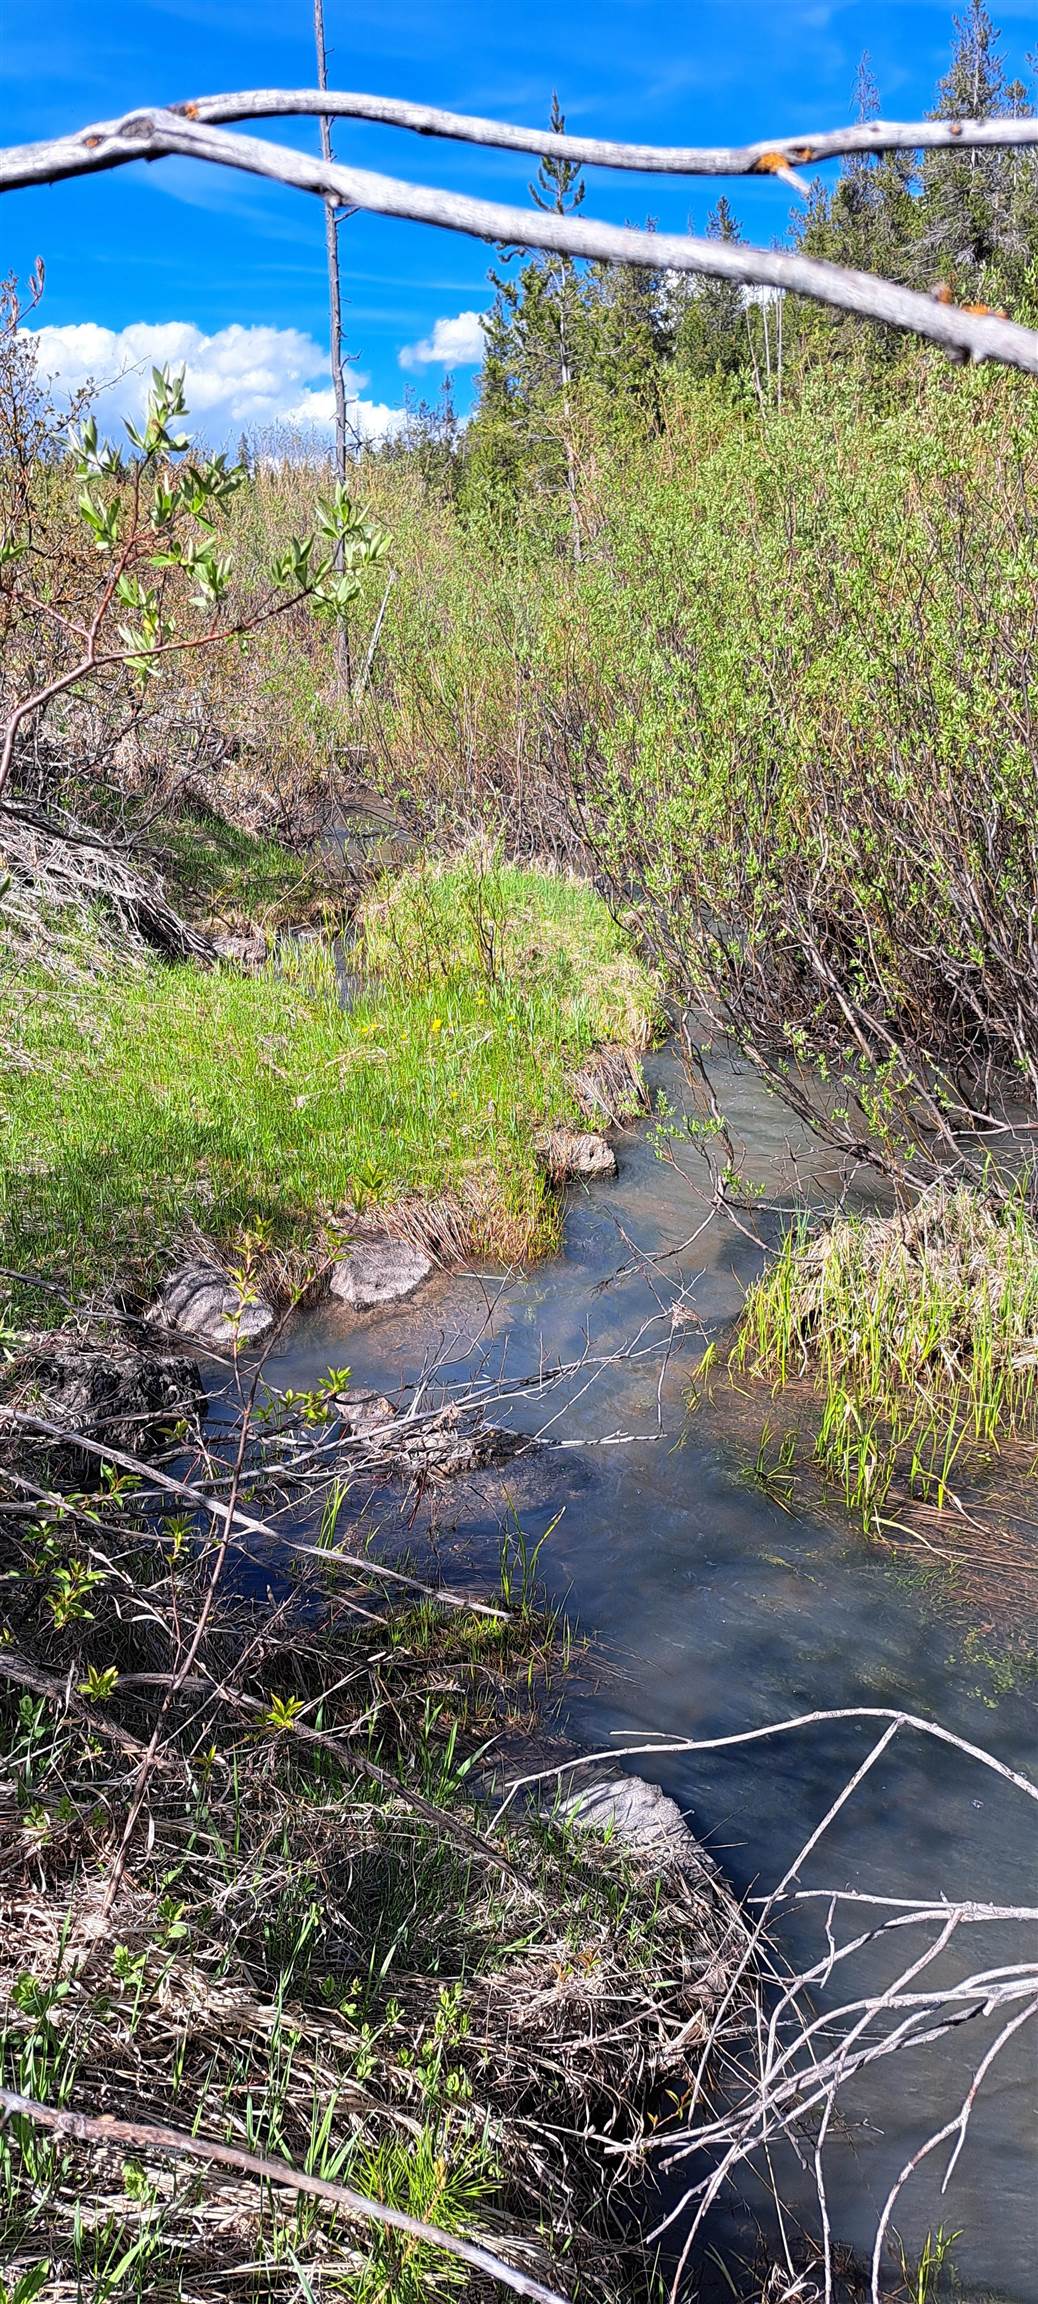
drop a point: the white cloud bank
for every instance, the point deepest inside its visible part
(457, 343)
(237, 380)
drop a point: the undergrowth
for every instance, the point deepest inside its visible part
(307, 1941)
(147, 1103)
(224, 873)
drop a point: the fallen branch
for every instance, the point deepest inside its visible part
(154, 2136)
(764, 157)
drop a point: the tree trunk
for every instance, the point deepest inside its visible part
(331, 236)
(331, 241)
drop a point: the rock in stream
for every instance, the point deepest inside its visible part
(202, 1301)
(376, 1269)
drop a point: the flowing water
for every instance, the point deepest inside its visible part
(714, 1610)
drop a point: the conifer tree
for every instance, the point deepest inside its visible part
(708, 315)
(870, 219)
(972, 236)
(627, 341)
(527, 411)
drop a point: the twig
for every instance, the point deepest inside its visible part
(234, 1520)
(49, 1684)
(183, 1669)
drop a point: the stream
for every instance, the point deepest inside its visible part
(714, 1610)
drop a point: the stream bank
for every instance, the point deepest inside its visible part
(252, 1893)
(715, 1611)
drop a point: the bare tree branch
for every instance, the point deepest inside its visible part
(150, 135)
(145, 2135)
(770, 155)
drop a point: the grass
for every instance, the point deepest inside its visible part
(218, 871)
(919, 1335)
(158, 1101)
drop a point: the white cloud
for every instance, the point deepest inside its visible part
(457, 343)
(237, 380)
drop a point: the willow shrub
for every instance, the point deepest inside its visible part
(786, 699)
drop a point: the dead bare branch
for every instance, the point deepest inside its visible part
(153, 134)
(145, 2135)
(765, 157)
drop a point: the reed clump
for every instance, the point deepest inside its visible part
(918, 1333)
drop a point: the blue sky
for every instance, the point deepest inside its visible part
(232, 270)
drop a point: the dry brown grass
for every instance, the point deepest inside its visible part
(310, 1946)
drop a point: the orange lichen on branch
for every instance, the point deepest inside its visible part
(777, 164)
(943, 293)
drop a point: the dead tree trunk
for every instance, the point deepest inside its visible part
(333, 214)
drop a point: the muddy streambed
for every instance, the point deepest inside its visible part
(714, 1610)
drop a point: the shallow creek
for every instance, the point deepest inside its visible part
(713, 1610)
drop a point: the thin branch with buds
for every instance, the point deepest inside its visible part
(805, 2056)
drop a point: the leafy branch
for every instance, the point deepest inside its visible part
(156, 509)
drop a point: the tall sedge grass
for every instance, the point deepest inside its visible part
(918, 1333)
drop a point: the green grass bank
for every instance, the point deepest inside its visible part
(151, 1103)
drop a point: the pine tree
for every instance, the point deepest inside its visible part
(870, 219)
(972, 236)
(708, 315)
(535, 331)
(1024, 226)
(627, 341)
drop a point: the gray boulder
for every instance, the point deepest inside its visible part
(377, 1270)
(201, 1300)
(638, 1817)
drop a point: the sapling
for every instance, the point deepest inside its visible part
(152, 514)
